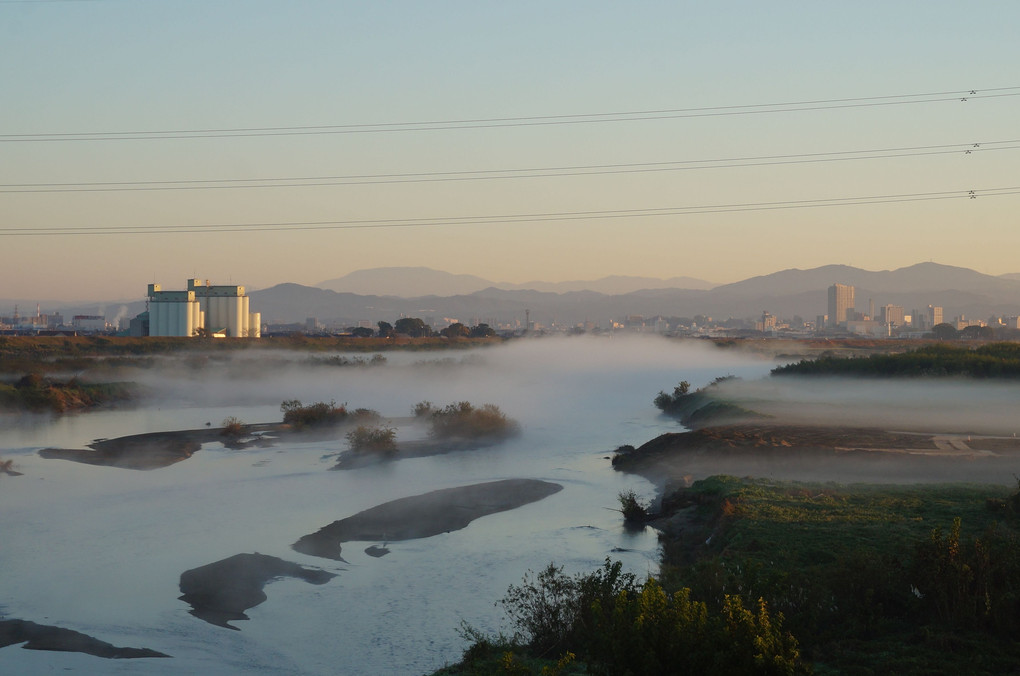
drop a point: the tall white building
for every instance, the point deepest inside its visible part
(218, 310)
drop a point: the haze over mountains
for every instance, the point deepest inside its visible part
(411, 282)
(786, 293)
(430, 294)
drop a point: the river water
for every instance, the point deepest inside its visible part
(100, 550)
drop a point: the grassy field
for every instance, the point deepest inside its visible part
(870, 579)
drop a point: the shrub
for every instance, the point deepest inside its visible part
(633, 511)
(232, 427)
(312, 415)
(365, 439)
(619, 627)
(464, 421)
(668, 402)
(423, 409)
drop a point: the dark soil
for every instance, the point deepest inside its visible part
(220, 592)
(423, 516)
(46, 637)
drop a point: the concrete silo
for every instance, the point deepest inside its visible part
(222, 310)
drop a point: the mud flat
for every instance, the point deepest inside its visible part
(411, 449)
(154, 450)
(422, 516)
(820, 453)
(220, 592)
(45, 637)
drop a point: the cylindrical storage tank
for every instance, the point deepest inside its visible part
(189, 318)
(238, 317)
(175, 318)
(219, 304)
(255, 324)
(167, 316)
(212, 314)
(196, 317)
(154, 318)
(161, 317)
(245, 317)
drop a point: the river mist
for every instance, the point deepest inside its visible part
(101, 550)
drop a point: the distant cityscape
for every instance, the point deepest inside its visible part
(203, 309)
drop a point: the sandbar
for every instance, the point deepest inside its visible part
(422, 516)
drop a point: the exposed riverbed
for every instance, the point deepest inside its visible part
(100, 550)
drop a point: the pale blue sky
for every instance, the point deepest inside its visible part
(158, 65)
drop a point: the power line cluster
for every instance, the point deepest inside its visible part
(543, 120)
(506, 219)
(516, 173)
(530, 172)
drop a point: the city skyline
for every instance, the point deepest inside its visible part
(150, 141)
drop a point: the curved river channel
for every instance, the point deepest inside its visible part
(100, 550)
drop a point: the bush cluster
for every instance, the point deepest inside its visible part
(464, 421)
(366, 439)
(313, 415)
(614, 625)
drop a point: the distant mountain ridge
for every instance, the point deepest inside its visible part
(411, 282)
(786, 294)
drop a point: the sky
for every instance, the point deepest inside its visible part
(263, 142)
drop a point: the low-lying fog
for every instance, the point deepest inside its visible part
(100, 550)
(915, 405)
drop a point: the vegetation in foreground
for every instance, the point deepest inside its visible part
(605, 622)
(870, 579)
(36, 393)
(994, 360)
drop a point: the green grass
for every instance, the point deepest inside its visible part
(843, 563)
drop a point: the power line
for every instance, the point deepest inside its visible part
(497, 174)
(505, 219)
(528, 121)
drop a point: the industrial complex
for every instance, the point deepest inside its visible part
(202, 309)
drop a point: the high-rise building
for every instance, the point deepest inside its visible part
(934, 315)
(893, 315)
(841, 304)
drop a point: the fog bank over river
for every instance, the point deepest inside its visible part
(100, 550)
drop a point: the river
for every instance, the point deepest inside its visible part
(100, 550)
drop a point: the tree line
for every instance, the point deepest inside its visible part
(417, 328)
(995, 360)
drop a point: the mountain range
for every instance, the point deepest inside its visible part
(411, 282)
(960, 291)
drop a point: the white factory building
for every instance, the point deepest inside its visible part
(217, 310)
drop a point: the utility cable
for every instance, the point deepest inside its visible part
(498, 174)
(506, 219)
(527, 121)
